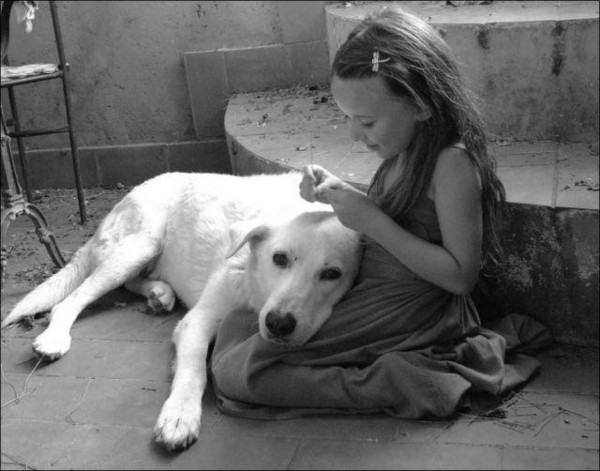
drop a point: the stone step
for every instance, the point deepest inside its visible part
(551, 231)
(535, 62)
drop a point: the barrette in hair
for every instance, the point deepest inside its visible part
(376, 61)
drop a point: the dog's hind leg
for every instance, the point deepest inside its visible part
(160, 295)
(123, 262)
(53, 290)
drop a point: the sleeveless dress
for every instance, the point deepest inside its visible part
(394, 343)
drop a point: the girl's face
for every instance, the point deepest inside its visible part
(383, 122)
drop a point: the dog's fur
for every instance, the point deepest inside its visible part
(218, 243)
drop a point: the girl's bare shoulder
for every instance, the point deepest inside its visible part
(454, 169)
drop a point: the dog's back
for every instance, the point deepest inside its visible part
(188, 216)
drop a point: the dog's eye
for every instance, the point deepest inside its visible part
(330, 274)
(280, 259)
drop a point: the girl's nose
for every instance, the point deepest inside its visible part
(355, 130)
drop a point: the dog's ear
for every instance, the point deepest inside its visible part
(243, 232)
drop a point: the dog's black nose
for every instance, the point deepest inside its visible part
(280, 324)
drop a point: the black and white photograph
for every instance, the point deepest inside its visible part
(300, 235)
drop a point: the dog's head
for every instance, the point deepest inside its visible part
(297, 271)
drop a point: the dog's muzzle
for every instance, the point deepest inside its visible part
(280, 324)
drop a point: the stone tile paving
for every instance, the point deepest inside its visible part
(95, 409)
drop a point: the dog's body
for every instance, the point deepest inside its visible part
(218, 243)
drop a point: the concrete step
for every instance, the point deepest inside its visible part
(535, 62)
(552, 228)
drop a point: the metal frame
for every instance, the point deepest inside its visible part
(62, 74)
(15, 202)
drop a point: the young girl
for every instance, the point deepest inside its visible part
(407, 338)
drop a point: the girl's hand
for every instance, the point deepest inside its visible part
(315, 178)
(352, 207)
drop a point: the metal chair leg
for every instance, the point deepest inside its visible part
(45, 236)
(15, 204)
(20, 145)
(69, 112)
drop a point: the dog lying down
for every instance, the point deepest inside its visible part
(218, 243)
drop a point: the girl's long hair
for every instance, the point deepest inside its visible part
(423, 70)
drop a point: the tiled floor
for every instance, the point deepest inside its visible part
(95, 408)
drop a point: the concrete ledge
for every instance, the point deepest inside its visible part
(551, 229)
(535, 62)
(289, 128)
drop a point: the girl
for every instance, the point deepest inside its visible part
(407, 338)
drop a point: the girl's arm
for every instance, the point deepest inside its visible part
(455, 188)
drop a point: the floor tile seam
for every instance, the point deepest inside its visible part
(427, 443)
(530, 166)
(294, 456)
(127, 427)
(92, 339)
(272, 133)
(28, 337)
(320, 438)
(75, 423)
(21, 337)
(93, 378)
(522, 447)
(556, 392)
(281, 436)
(87, 339)
(520, 153)
(561, 393)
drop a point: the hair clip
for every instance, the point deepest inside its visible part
(376, 61)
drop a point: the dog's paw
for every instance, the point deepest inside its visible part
(51, 346)
(162, 298)
(178, 424)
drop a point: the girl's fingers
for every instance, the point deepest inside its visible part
(308, 172)
(315, 183)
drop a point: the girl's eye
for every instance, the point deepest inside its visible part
(367, 124)
(330, 274)
(280, 259)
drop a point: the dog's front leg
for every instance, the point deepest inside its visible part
(178, 424)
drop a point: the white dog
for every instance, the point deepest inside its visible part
(218, 243)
